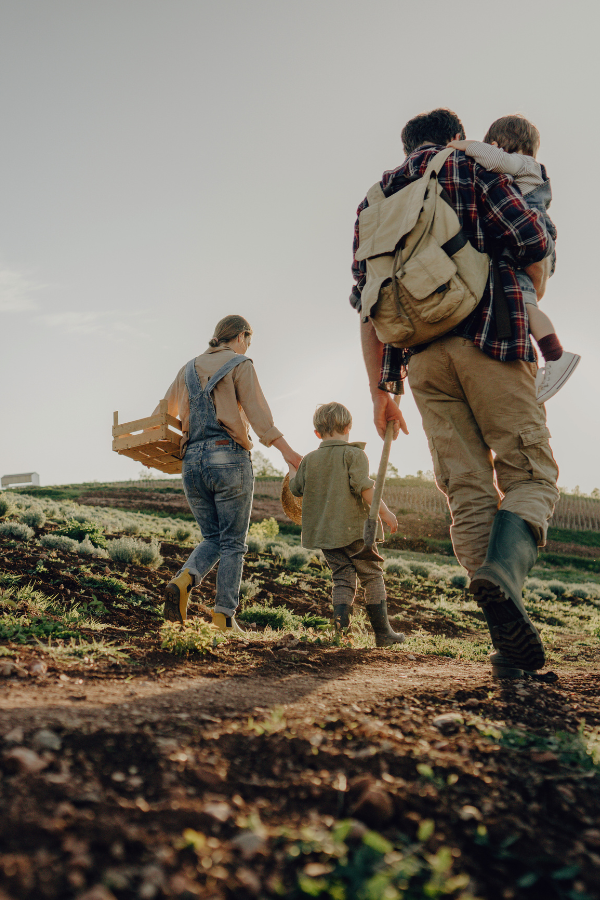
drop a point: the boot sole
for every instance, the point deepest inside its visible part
(171, 611)
(389, 642)
(513, 634)
(502, 672)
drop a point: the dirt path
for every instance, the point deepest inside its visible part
(71, 702)
(178, 785)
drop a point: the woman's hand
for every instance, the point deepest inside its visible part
(293, 460)
(291, 457)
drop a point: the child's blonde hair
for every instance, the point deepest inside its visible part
(332, 417)
(515, 134)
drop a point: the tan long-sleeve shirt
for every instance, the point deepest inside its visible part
(238, 398)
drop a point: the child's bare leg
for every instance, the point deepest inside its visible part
(540, 325)
(543, 331)
(559, 364)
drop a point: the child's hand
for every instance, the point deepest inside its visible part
(459, 145)
(292, 470)
(390, 520)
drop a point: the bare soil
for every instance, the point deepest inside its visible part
(263, 507)
(160, 777)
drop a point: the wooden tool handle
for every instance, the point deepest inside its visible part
(385, 456)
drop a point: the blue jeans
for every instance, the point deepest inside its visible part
(219, 483)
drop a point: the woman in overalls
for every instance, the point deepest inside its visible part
(216, 396)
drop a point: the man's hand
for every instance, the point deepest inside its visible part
(384, 409)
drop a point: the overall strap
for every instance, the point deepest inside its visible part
(224, 370)
(192, 381)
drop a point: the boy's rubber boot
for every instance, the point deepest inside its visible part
(502, 667)
(176, 597)
(226, 624)
(497, 587)
(385, 636)
(341, 617)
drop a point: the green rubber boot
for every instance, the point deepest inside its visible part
(341, 617)
(385, 636)
(497, 587)
(503, 667)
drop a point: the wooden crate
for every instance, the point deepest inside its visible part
(156, 449)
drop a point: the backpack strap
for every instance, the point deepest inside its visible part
(375, 194)
(436, 163)
(224, 370)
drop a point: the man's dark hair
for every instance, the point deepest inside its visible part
(436, 127)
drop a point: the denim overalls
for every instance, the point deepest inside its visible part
(218, 481)
(539, 198)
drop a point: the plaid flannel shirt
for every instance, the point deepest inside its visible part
(492, 213)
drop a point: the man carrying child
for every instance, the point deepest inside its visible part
(476, 392)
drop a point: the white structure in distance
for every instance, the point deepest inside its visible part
(22, 478)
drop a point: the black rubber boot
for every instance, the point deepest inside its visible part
(378, 617)
(341, 617)
(498, 589)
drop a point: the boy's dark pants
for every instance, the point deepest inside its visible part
(345, 570)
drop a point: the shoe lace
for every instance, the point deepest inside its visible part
(546, 378)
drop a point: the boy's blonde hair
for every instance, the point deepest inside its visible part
(332, 417)
(515, 134)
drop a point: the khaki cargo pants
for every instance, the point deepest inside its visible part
(488, 440)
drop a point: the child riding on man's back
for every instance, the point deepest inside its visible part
(337, 491)
(510, 146)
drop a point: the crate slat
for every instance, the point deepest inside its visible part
(139, 440)
(148, 422)
(157, 448)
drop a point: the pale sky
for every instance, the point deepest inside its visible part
(167, 162)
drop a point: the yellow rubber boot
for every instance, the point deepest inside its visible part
(226, 624)
(176, 596)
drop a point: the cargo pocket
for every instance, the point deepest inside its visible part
(442, 479)
(535, 446)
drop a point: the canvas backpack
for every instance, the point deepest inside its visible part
(423, 275)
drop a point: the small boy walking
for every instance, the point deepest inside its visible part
(337, 492)
(510, 146)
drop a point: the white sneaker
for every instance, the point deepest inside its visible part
(554, 375)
